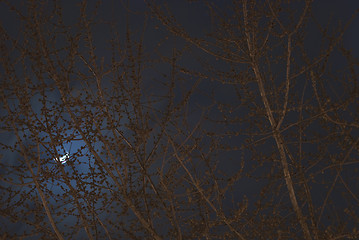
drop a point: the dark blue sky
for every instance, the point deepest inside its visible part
(213, 104)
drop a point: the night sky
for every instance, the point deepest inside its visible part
(168, 99)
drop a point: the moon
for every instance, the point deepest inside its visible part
(63, 159)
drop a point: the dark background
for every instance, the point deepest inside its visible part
(159, 43)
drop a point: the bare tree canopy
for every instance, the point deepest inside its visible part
(179, 120)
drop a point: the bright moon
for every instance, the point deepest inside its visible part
(63, 159)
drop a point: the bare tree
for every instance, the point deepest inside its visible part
(286, 96)
(88, 132)
(107, 135)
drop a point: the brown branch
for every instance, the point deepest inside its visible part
(276, 135)
(195, 183)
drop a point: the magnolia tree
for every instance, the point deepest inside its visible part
(114, 131)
